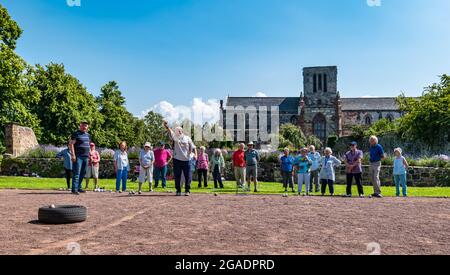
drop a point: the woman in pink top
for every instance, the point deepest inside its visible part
(162, 158)
(92, 171)
(202, 167)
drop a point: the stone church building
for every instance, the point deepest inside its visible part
(319, 110)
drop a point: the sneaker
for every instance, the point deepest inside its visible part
(187, 194)
(140, 193)
(178, 194)
(378, 196)
(75, 193)
(362, 196)
(81, 191)
(348, 196)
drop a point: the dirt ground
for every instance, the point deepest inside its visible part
(227, 224)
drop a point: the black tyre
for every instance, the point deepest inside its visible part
(62, 214)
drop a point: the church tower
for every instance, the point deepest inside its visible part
(320, 112)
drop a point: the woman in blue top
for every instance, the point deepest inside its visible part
(287, 170)
(400, 166)
(67, 156)
(327, 174)
(303, 163)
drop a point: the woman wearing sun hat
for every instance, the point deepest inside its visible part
(146, 161)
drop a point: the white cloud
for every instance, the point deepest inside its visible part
(260, 94)
(199, 111)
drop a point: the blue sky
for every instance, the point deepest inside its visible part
(173, 51)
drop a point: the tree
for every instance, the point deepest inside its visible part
(154, 128)
(64, 103)
(16, 95)
(382, 127)
(292, 135)
(10, 31)
(427, 118)
(118, 123)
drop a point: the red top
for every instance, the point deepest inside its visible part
(239, 158)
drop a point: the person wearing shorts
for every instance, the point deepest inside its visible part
(146, 161)
(92, 170)
(239, 166)
(251, 160)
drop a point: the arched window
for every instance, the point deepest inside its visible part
(368, 120)
(320, 126)
(294, 120)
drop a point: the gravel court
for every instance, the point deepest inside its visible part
(155, 224)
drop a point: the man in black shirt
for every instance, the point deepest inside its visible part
(79, 148)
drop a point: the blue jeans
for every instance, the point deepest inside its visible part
(159, 173)
(400, 179)
(79, 171)
(122, 175)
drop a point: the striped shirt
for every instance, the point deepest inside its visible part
(82, 143)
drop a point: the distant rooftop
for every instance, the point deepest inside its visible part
(369, 103)
(284, 103)
(292, 103)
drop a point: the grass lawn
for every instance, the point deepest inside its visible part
(230, 187)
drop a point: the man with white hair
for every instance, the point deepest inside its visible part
(376, 156)
(182, 149)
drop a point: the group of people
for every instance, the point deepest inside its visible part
(314, 171)
(318, 171)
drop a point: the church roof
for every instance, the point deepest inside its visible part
(284, 103)
(292, 103)
(369, 104)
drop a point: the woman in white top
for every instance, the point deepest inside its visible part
(121, 167)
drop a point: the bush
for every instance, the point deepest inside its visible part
(331, 141)
(44, 151)
(133, 153)
(107, 154)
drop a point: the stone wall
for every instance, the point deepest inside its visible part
(19, 140)
(268, 172)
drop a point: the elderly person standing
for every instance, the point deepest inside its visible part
(239, 165)
(202, 167)
(376, 156)
(217, 166)
(314, 156)
(287, 170)
(162, 159)
(251, 160)
(146, 161)
(79, 147)
(327, 174)
(303, 163)
(93, 167)
(353, 160)
(121, 167)
(183, 147)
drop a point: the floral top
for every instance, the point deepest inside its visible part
(203, 161)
